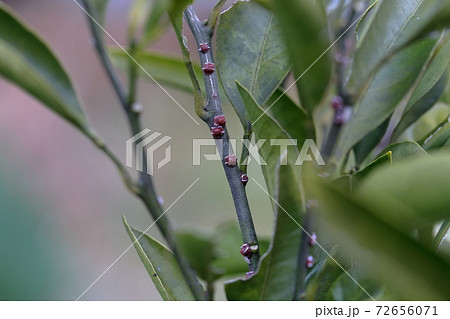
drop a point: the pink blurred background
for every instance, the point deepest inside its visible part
(61, 200)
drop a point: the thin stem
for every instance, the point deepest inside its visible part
(145, 190)
(132, 75)
(214, 15)
(202, 34)
(341, 54)
(303, 252)
(210, 290)
(106, 62)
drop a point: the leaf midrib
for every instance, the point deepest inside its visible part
(260, 56)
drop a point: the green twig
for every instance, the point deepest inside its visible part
(198, 98)
(202, 34)
(132, 76)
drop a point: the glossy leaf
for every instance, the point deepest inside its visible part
(267, 128)
(369, 142)
(164, 69)
(276, 275)
(26, 61)
(438, 138)
(199, 251)
(250, 50)
(345, 288)
(175, 12)
(305, 32)
(161, 266)
(389, 86)
(321, 279)
(404, 150)
(215, 255)
(328, 281)
(352, 181)
(399, 22)
(379, 246)
(427, 123)
(428, 91)
(289, 116)
(409, 194)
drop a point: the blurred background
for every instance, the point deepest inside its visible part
(61, 199)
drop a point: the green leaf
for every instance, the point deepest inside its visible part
(156, 22)
(369, 142)
(328, 281)
(404, 150)
(276, 275)
(305, 32)
(215, 255)
(409, 194)
(399, 22)
(289, 116)
(199, 251)
(387, 89)
(352, 181)
(161, 265)
(438, 138)
(175, 12)
(250, 50)
(26, 61)
(267, 127)
(149, 19)
(345, 288)
(321, 279)
(384, 251)
(164, 69)
(227, 240)
(428, 91)
(427, 123)
(137, 16)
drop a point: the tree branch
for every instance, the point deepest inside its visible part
(203, 34)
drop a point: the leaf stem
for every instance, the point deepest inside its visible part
(203, 34)
(303, 252)
(145, 190)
